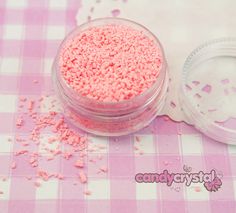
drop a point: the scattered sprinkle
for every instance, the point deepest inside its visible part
(87, 192)
(13, 165)
(115, 12)
(82, 177)
(104, 169)
(79, 163)
(207, 88)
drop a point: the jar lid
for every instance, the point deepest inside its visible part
(208, 90)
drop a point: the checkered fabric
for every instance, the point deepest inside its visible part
(30, 32)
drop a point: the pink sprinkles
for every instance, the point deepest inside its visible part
(63, 142)
(110, 63)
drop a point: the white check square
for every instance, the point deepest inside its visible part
(17, 4)
(47, 190)
(57, 4)
(145, 144)
(10, 65)
(55, 32)
(98, 144)
(146, 191)
(14, 32)
(6, 144)
(8, 103)
(47, 65)
(5, 189)
(197, 192)
(191, 144)
(100, 189)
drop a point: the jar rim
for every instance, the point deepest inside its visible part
(221, 47)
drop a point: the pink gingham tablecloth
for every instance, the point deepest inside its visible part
(30, 32)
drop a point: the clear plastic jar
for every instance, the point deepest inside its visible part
(208, 92)
(111, 118)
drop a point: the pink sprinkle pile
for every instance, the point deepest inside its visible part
(53, 139)
(110, 63)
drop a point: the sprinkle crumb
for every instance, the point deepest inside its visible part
(82, 177)
(104, 169)
(13, 165)
(137, 138)
(1, 192)
(166, 163)
(35, 81)
(37, 184)
(79, 163)
(87, 192)
(23, 99)
(4, 179)
(141, 152)
(31, 105)
(197, 189)
(28, 177)
(19, 122)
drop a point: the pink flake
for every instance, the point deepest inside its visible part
(225, 81)
(207, 88)
(21, 152)
(60, 176)
(172, 104)
(82, 177)
(188, 87)
(32, 160)
(19, 122)
(23, 99)
(35, 164)
(41, 99)
(43, 174)
(115, 12)
(137, 138)
(100, 146)
(28, 177)
(37, 184)
(104, 169)
(197, 189)
(13, 165)
(100, 157)
(197, 95)
(4, 179)
(79, 163)
(35, 81)
(141, 152)
(87, 192)
(31, 105)
(50, 158)
(91, 9)
(196, 83)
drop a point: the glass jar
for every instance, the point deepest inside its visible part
(111, 118)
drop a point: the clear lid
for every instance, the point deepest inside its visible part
(208, 90)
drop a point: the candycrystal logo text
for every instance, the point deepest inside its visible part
(210, 180)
